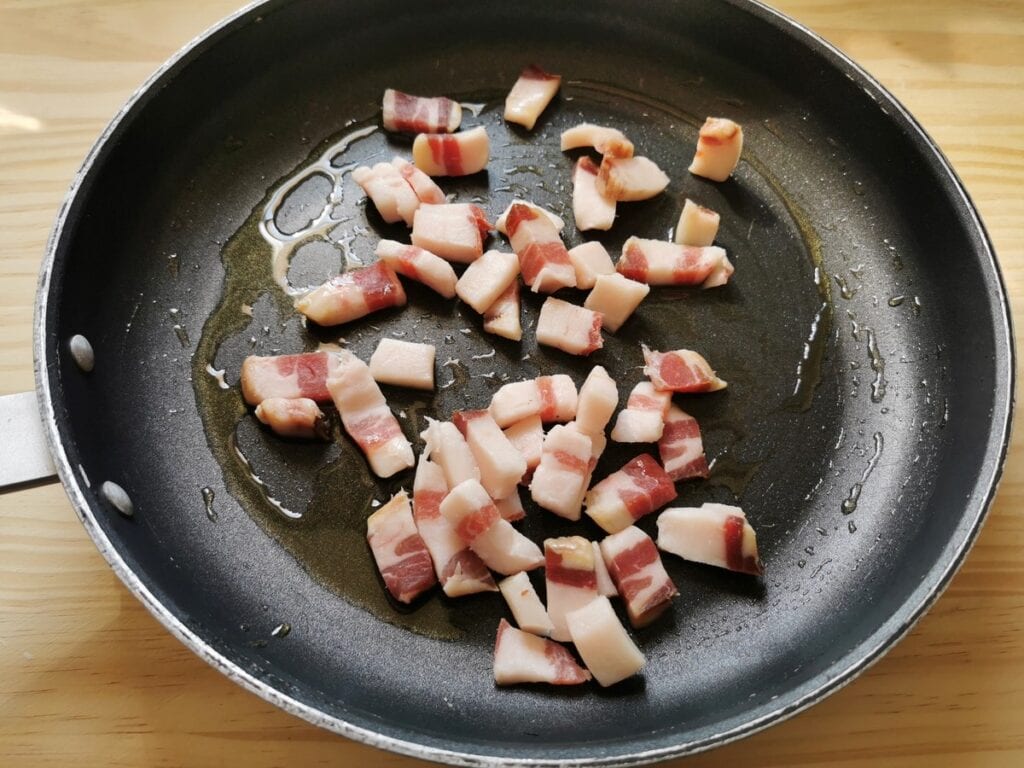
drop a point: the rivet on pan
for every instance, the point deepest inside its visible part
(118, 498)
(81, 351)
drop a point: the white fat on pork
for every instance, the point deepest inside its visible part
(681, 448)
(568, 327)
(406, 113)
(590, 260)
(643, 418)
(424, 186)
(603, 643)
(501, 465)
(486, 279)
(401, 556)
(298, 417)
(403, 364)
(635, 566)
(455, 231)
(366, 416)
(598, 398)
(607, 141)
(471, 512)
(697, 225)
(526, 607)
(598, 442)
(452, 154)
(511, 507)
(681, 370)
(502, 317)
(639, 488)
(553, 398)
(445, 445)
(522, 657)
(287, 376)
(352, 295)
(459, 570)
(570, 579)
(543, 258)
(500, 223)
(527, 436)
(714, 534)
(560, 479)
(392, 196)
(718, 149)
(530, 95)
(615, 298)
(605, 585)
(418, 264)
(591, 208)
(627, 179)
(659, 262)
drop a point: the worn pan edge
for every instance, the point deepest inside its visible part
(884, 638)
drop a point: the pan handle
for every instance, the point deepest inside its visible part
(24, 455)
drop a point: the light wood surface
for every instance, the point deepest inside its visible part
(87, 677)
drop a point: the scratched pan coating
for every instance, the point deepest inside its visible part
(865, 337)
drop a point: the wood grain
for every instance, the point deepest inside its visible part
(87, 677)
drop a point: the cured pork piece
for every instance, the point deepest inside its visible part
(616, 298)
(392, 196)
(591, 209)
(455, 231)
(501, 465)
(607, 141)
(590, 260)
(639, 488)
(500, 223)
(598, 398)
(681, 448)
(297, 417)
(718, 149)
(560, 480)
(553, 398)
(403, 364)
(603, 643)
(643, 419)
(715, 534)
(658, 262)
(528, 438)
(502, 317)
(486, 279)
(697, 225)
(366, 416)
(452, 154)
(424, 187)
(630, 178)
(459, 570)
(526, 607)
(569, 327)
(445, 444)
(570, 578)
(472, 514)
(681, 370)
(352, 295)
(511, 507)
(635, 566)
(420, 265)
(287, 376)
(598, 442)
(605, 585)
(543, 258)
(404, 113)
(521, 657)
(402, 557)
(530, 96)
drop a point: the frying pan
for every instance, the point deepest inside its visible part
(865, 336)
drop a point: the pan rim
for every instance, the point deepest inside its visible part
(869, 652)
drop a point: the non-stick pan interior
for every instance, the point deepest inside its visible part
(864, 337)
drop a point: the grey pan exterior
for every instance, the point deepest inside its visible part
(800, 698)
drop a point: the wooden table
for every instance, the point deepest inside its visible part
(87, 677)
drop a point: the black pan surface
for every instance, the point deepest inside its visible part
(865, 337)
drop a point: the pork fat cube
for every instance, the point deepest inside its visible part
(597, 401)
(530, 95)
(636, 568)
(455, 232)
(681, 370)
(406, 113)
(590, 260)
(643, 419)
(591, 208)
(553, 398)
(501, 465)
(630, 178)
(520, 657)
(560, 479)
(697, 225)
(294, 417)
(454, 154)
(570, 578)
(718, 149)
(526, 607)
(602, 642)
(570, 328)
(403, 364)
(486, 279)
(639, 488)
(715, 534)
(502, 317)
(615, 298)
(402, 557)
(420, 265)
